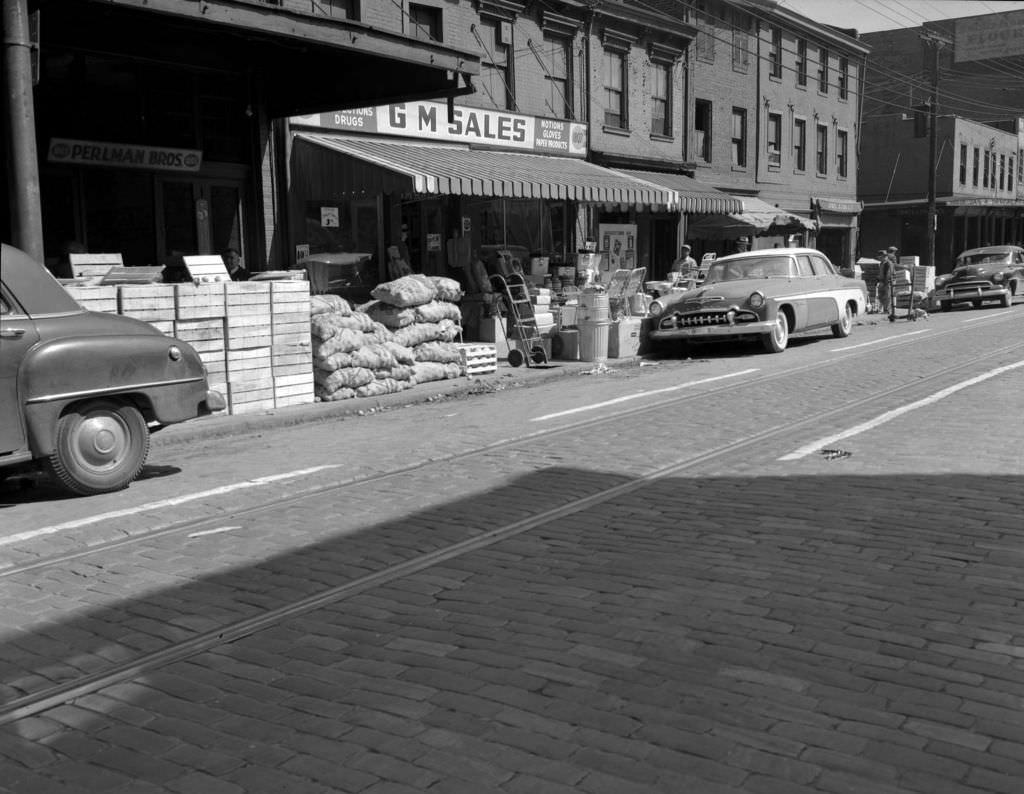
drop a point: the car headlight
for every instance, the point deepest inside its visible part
(998, 277)
(655, 309)
(756, 300)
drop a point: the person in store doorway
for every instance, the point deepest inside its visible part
(233, 262)
(684, 264)
(742, 244)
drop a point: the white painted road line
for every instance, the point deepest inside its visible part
(888, 416)
(989, 316)
(877, 341)
(214, 531)
(145, 508)
(638, 395)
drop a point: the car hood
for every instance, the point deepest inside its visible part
(976, 271)
(721, 294)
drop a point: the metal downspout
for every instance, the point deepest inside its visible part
(23, 188)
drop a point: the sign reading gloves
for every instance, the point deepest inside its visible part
(477, 126)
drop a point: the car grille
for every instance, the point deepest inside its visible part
(968, 287)
(707, 318)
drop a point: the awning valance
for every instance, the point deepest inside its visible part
(453, 169)
(757, 217)
(847, 206)
(694, 195)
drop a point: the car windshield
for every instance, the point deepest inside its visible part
(984, 258)
(759, 267)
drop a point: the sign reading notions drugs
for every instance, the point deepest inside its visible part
(477, 126)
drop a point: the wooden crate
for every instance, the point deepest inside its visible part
(147, 302)
(293, 389)
(478, 359)
(94, 298)
(248, 318)
(205, 335)
(193, 301)
(165, 327)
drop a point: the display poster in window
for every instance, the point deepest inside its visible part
(433, 242)
(618, 244)
(329, 217)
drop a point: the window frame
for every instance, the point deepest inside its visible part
(775, 53)
(773, 140)
(550, 39)
(843, 78)
(823, 69)
(662, 66)
(488, 62)
(699, 108)
(963, 164)
(435, 19)
(800, 144)
(976, 166)
(801, 63)
(610, 51)
(739, 144)
(842, 153)
(821, 150)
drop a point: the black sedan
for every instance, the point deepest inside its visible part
(981, 275)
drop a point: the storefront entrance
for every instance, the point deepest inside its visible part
(198, 216)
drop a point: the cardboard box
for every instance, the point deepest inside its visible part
(624, 337)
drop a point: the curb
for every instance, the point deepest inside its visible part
(506, 377)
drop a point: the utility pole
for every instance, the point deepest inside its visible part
(936, 42)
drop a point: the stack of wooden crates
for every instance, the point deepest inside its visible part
(253, 337)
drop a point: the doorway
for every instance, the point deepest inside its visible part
(199, 216)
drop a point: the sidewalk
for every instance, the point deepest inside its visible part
(506, 377)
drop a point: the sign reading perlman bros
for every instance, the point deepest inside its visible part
(124, 155)
(477, 126)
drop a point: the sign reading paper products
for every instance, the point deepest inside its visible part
(477, 126)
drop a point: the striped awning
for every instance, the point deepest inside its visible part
(453, 169)
(694, 196)
(755, 217)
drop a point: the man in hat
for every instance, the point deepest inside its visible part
(685, 264)
(742, 244)
(886, 275)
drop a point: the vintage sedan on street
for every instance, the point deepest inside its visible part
(766, 295)
(81, 390)
(991, 273)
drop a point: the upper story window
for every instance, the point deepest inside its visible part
(556, 55)
(741, 23)
(823, 56)
(822, 151)
(963, 163)
(843, 77)
(425, 22)
(702, 130)
(1009, 174)
(615, 89)
(495, 79)
(842, 153)
(984, 176)
(339, 9)
(705, 32)
(739, 137)
(800, 144)
(1002, 172)
(775, 53)
(774, 139)
(977, 165)
(661, 99)
(801, 61)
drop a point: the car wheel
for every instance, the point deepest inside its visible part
(100, 446)
(842, 329)
(946, 306)
(778, 338)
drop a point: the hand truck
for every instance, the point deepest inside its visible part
(524, 321)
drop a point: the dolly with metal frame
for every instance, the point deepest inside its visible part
(524, 321)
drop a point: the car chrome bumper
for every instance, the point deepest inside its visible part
(974, 293)
(704, 331)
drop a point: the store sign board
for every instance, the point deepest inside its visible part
(477, 126)
(123, 155)
(989, 36)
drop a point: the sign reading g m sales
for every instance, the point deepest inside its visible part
(477, 126)
(123, 155)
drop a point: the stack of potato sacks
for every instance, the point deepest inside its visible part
(405, 336)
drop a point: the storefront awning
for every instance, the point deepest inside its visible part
(757, 217)
(847, 206)
(388, 166)
(694, 196)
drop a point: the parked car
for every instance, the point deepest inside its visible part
(766, 295)
(82, 390)
(990, 273)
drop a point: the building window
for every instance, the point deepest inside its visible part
(661, 105)
(963, 163)
(774, 139)
(739, 137)
(823, 56)
(977, 163)
(495, 80)
(740, 42)
(1009, 175)
(984, 177)
(557, 59)
(339, 9)
(801, 62)
(844, 77)
(705, 32)
(842, 153)
(425, 22)
(615, 89)
(775, 53)
(702, 130)
(822, 151)
(800, 144)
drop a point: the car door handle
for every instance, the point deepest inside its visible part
(11, 333)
